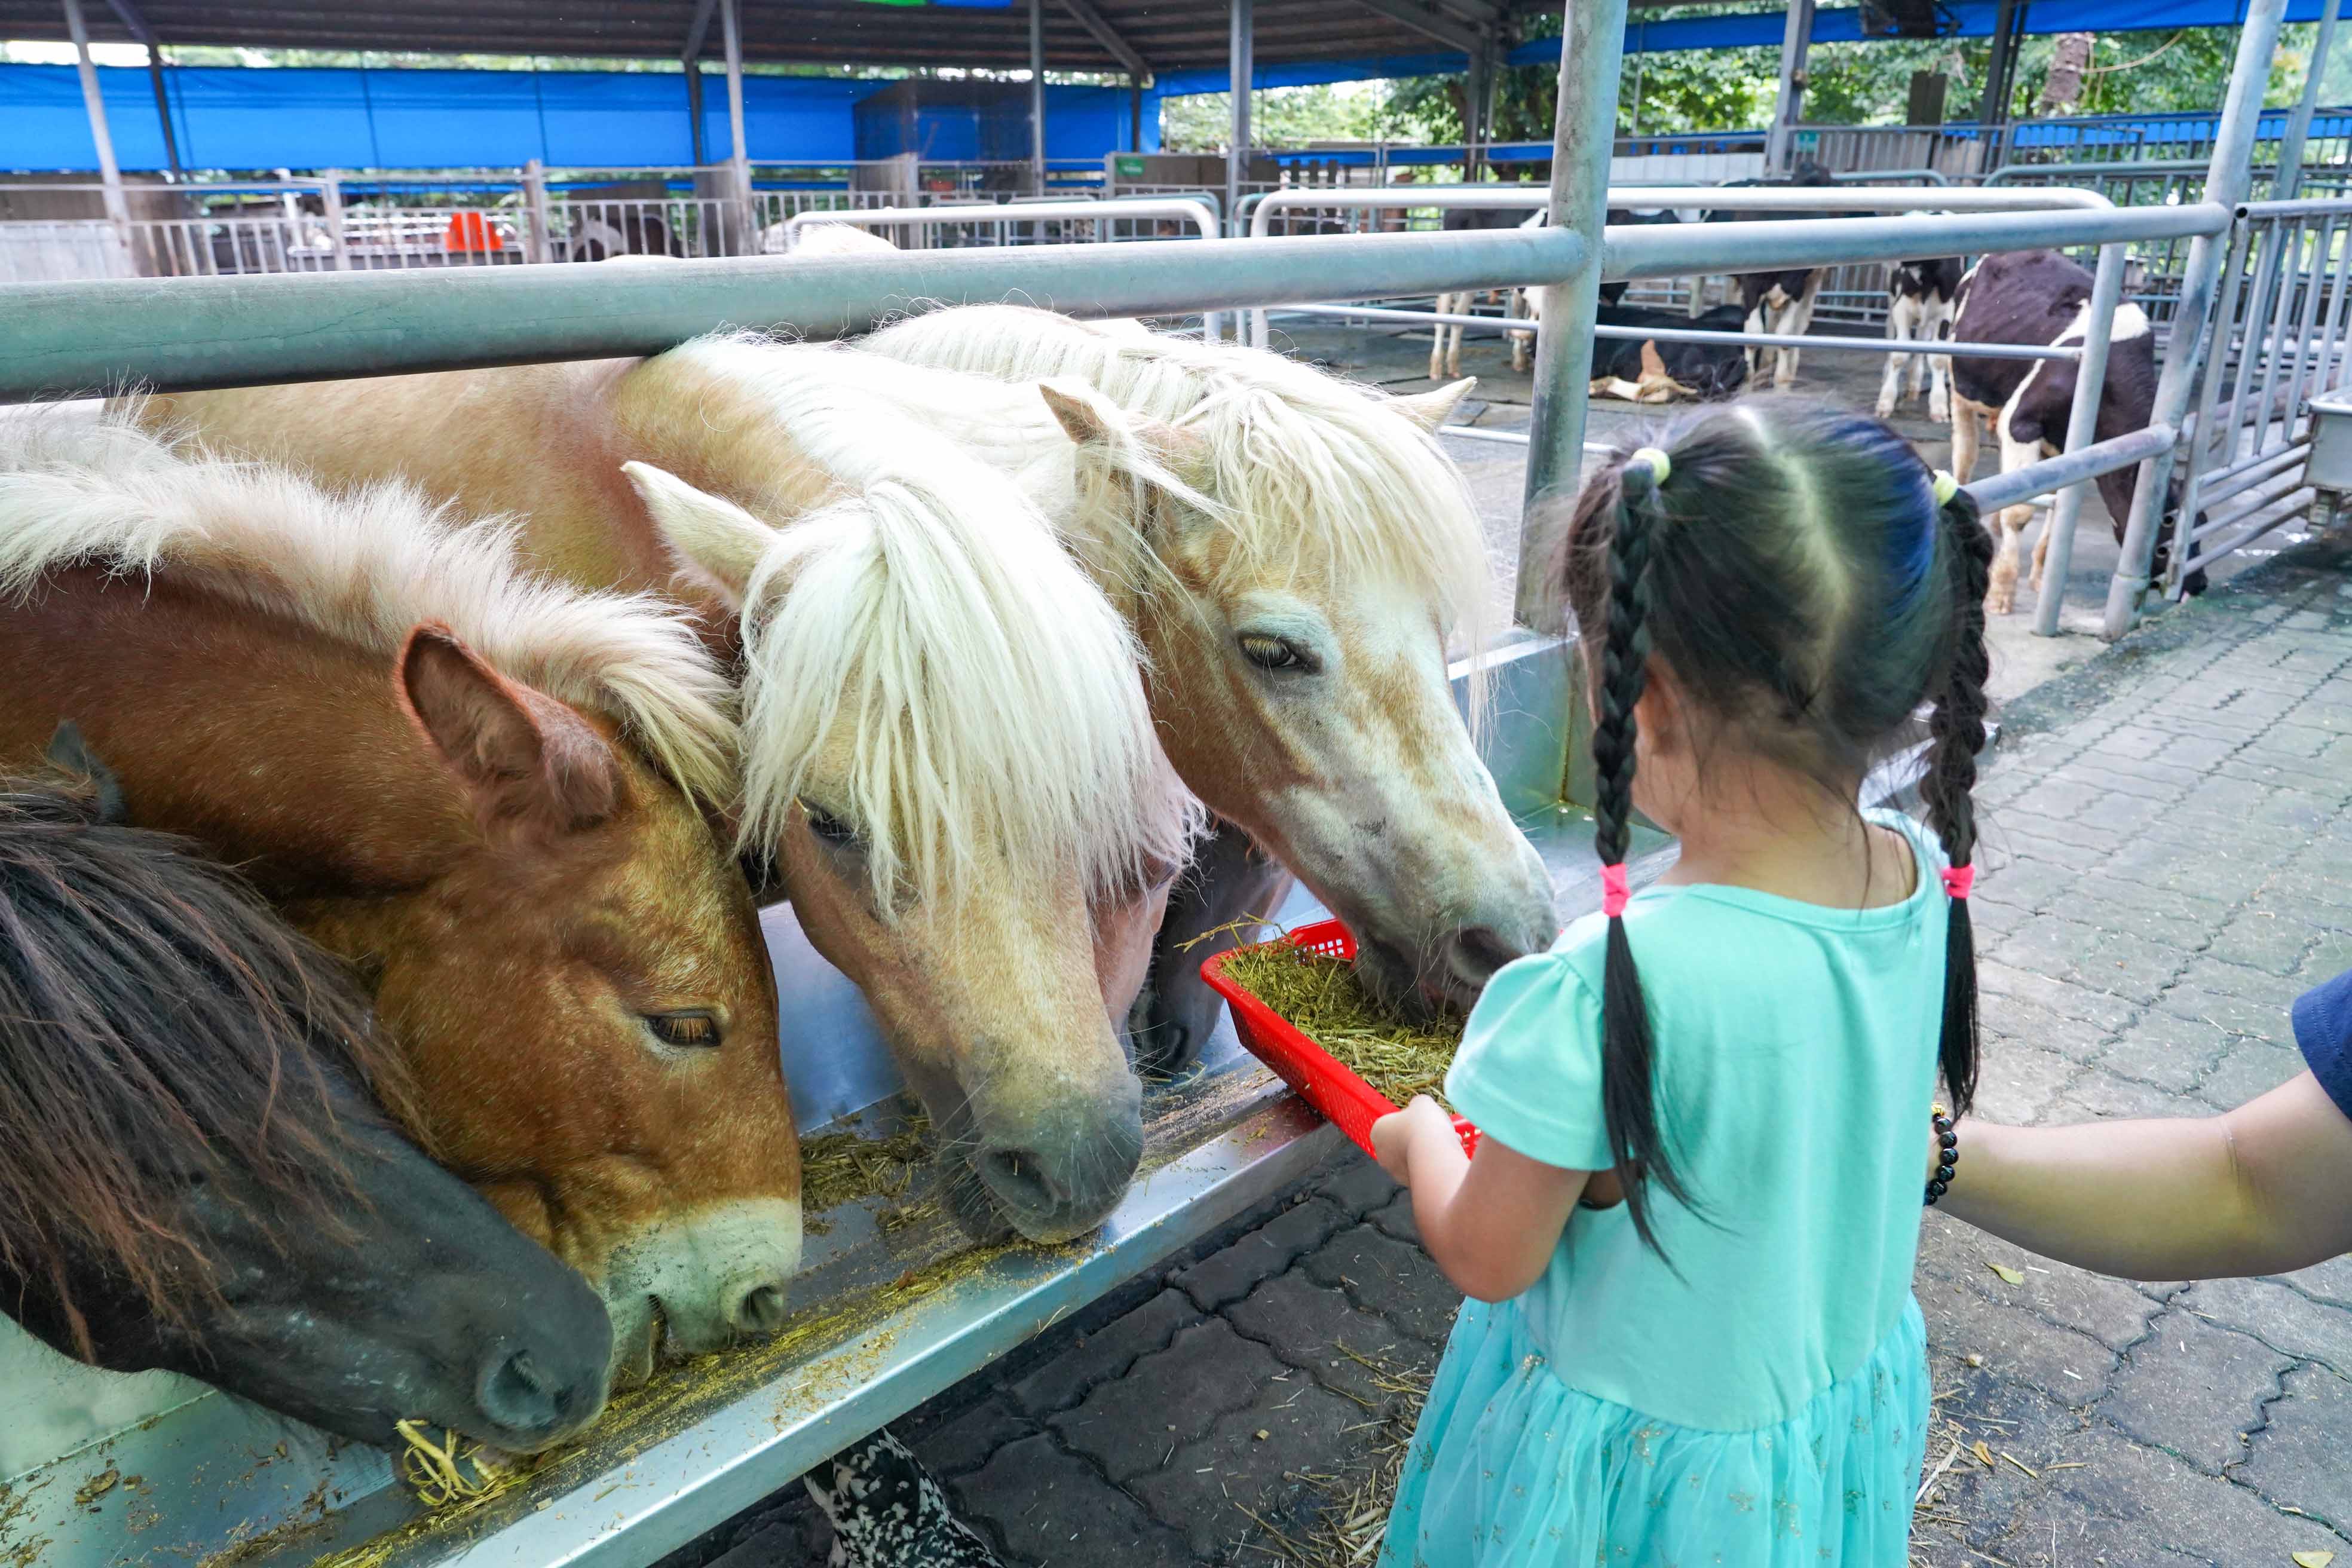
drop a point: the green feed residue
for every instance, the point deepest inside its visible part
(1322, 999)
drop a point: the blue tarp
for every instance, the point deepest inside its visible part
(242, 118)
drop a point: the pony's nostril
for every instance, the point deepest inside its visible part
(1476, 952)
(761, 1311)
(1019, 1177)
(513, 1393)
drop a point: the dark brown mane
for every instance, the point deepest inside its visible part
(156, 1018)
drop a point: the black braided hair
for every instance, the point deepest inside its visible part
(1957, 732)
(1627, 1067)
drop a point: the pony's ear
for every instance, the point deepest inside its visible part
(1087, 415)
(1157, 453)
(70, 753)
(529, 761)
(716, 543)
(1432, 409)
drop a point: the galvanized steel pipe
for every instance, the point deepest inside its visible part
(1584, 131)
(2227, 186)
(67, 339)
(2082, 427)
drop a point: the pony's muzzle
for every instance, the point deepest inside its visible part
(529, 1404)
(1059, 1179)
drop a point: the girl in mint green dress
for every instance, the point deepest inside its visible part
(1725, 1365)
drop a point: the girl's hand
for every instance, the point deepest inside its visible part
(1393, 1135)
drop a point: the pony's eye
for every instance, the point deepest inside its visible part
(691, 1028)
(1276, 653)
(827, 825)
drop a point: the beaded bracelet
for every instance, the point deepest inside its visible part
(1950, 1159)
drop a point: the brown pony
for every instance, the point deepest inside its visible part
(467, 782)
(947, 750)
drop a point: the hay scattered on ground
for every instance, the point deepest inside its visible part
(1323, 1000)
(1354, 1505)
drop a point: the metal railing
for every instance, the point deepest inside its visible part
(1008, 224)
(2278, 340)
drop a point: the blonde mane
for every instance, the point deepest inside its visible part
(363, 566)
(1304, 469)
(994, 697)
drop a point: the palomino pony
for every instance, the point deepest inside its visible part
(947, 750)
(431, 762)
(1295, 553)
(193, 1178)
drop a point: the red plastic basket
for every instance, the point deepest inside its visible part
(1325, 1083)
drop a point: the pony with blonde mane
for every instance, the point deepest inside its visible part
(946, 749)
(1296, 555)
(466, 781)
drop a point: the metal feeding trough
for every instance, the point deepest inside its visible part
(2328, 468)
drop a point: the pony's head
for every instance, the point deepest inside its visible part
(948, 754)
(466, 781)
(193, 1178)
(585, 991)
(1298, 557)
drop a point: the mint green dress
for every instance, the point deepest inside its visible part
(1765, 1407)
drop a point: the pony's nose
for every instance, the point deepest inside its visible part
(529, 1401)
(1473, 956)
(761, 1311)
(1022, 1178)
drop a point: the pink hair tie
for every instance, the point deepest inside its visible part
(1615, 892)
(1959, 880)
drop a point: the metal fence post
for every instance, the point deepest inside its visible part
(536, 230)
(330, 197)
(1584, 134)
(2288, 184)
(2234, 173)
(2081, 430)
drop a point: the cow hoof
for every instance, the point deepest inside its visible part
(1886, 408)
(1941, 413)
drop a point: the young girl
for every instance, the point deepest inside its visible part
(1726, 1367)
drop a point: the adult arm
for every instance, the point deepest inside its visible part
(2259, 1190)
(1490, 1223)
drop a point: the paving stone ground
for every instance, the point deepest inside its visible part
(2170, 863)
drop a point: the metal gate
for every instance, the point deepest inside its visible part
(2278, 341)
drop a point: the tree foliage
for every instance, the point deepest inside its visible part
(1854, 83)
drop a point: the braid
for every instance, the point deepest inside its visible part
(1628, 1065)
(1957, 733)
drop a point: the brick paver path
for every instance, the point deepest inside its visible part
(2170, 863)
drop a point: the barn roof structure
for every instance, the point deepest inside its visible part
(1140, 38)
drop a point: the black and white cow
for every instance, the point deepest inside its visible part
(1445, 348)
(1920, 298)
(1643, 369)
(1781, 302)
(2040, 296)
(1614, 293)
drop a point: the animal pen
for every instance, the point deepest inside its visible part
(884, 1318)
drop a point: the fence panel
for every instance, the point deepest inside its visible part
(2278, 340)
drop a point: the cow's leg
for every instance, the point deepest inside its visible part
(1966, 422)
(1935, 325)
(1437, 340)
(1521, 342)
(1901, 326)
(1755, 327)
(1797, 321)
(2010, 525)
